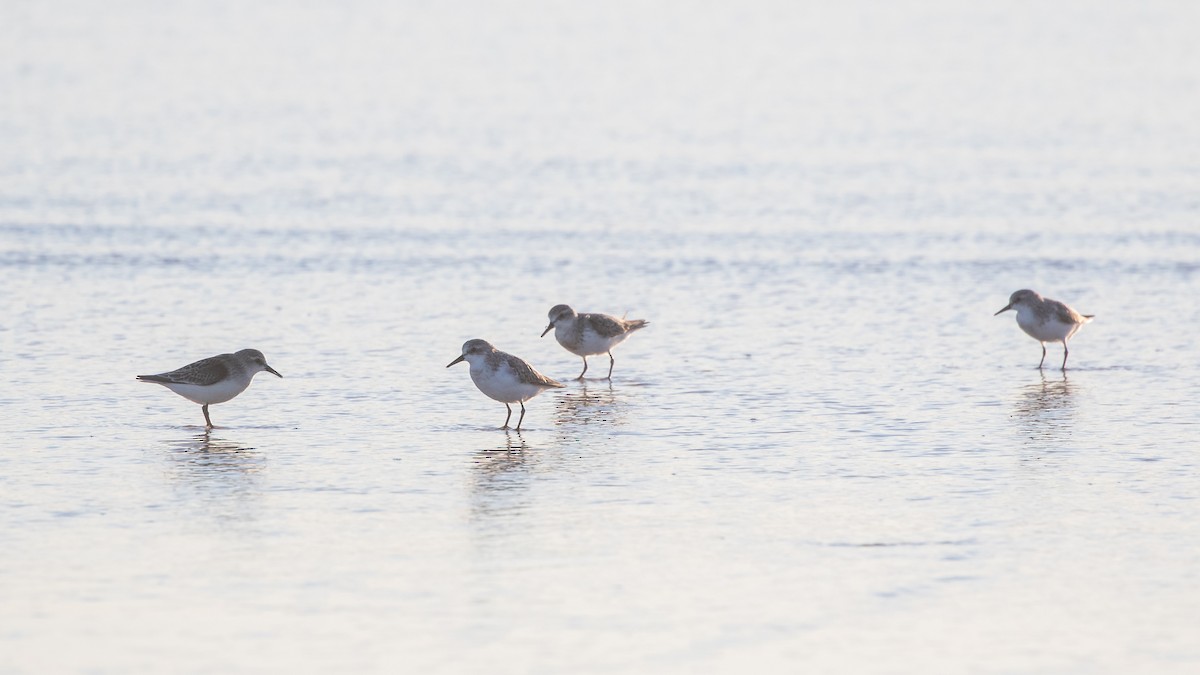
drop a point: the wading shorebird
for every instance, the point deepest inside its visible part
(1045, 320)
(215, 379)
(590, 334)
(503, 377)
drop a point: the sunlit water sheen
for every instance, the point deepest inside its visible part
(823, 455)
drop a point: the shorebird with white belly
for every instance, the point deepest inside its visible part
(590, 334)
(216, 379)
(503, 377)
(1045, 320)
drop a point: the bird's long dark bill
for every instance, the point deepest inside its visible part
(547, 330)
(461, 358)
(1006, 308)
(272, 371)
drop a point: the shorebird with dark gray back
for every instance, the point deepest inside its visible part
(216, 379)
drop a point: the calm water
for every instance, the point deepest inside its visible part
(824, 455)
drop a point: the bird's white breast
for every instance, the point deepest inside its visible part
(586, 342)
(1048, 330)
(502, 384)
(214, 393)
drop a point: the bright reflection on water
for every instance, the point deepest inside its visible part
(823, 455)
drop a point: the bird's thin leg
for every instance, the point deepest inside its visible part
(1043, 356)
(522, 417)
(207, 420)
(507, 417)
(584, 368)
(1065, 352)
(611, 361)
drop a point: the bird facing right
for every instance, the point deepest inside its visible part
(1045, 320)
(589, 334)
(216, 379)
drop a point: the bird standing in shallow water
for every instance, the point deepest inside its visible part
(589, 334)
(216, 379)
(1045, 320)
(503, 377)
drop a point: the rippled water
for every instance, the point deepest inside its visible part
(825, 454)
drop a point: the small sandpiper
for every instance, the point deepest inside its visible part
(589, 334)
(1045, 320)
(503, 377)
(215, 379)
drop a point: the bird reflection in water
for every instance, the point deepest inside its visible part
(218, 475)
(589, 405)
(203, 454)
(500, 477)
(1046, 408)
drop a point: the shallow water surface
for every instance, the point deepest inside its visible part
(824, 454)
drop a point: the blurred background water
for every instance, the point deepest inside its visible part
(825, 454)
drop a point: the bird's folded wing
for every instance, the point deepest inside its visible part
(527, 373)
(201, 373)
(604, 325)
(1065, 314)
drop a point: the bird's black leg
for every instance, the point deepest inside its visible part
(611, 361)
(522, 417)
(1043, 356)
(507, 417)
(584, 368)
(207, 420)
(1065, 353)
